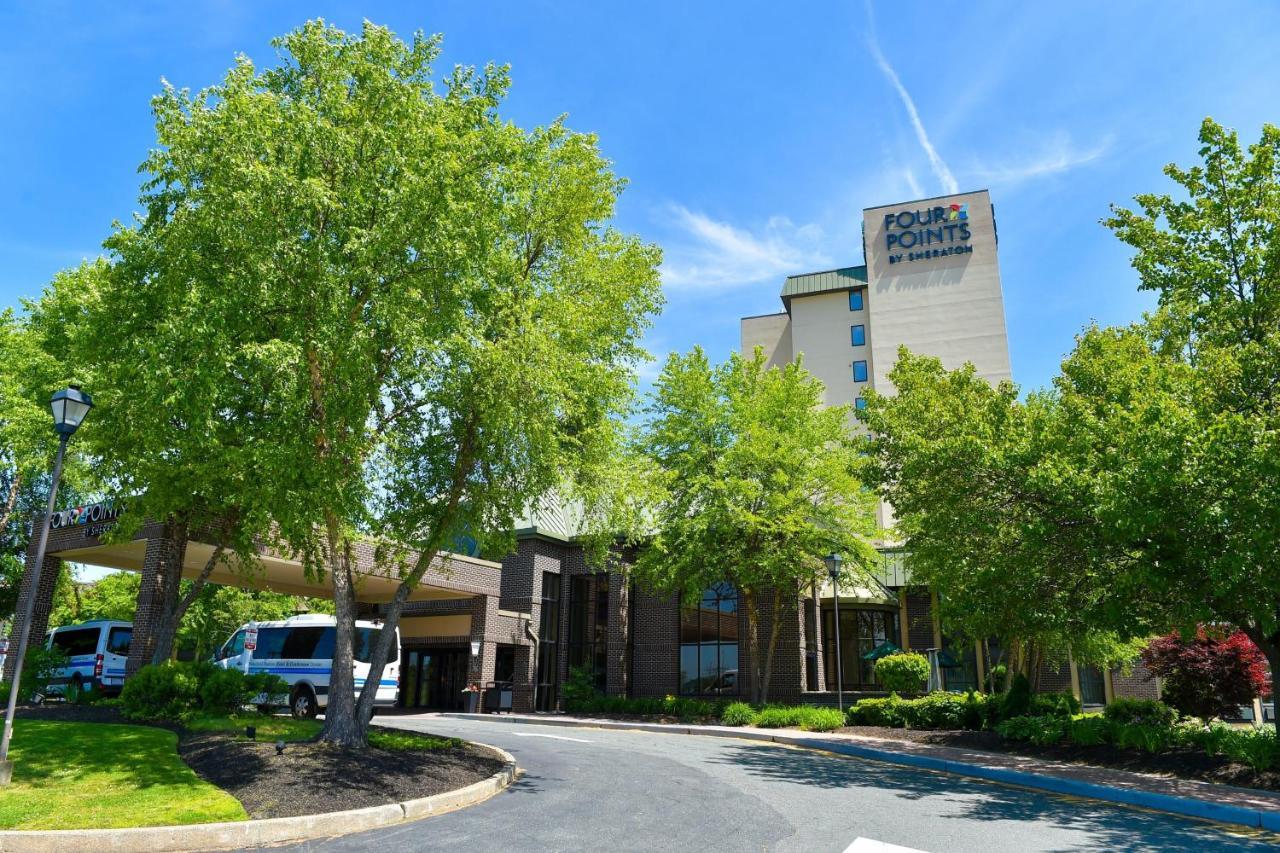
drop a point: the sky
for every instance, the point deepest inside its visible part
(752, 134)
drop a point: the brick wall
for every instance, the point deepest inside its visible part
(1138, 684)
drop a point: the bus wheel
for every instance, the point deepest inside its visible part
(302, 704)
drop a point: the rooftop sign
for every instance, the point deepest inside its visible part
(931, 232)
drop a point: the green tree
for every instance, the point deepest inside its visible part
(757, 482)
(401, 315)
(1186, 408)
(997, 508)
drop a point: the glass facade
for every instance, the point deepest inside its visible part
(861, 630)
(709, 644)
(549, 642)
(589, 625)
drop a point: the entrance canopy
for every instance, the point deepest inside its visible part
(451, 576)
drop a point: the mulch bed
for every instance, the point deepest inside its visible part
(1181, 762)
(309, 778)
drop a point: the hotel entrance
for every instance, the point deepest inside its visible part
(433, 678)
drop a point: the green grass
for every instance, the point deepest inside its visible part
(398, 739)
(105, 776)
(269, 727)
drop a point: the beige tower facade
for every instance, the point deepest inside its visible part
(931, 282)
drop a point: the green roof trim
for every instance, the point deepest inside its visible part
(807, 284)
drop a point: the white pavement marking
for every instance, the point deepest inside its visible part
(553, 737)
(870, 845)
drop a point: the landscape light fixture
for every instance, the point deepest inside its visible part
(279, 747)
(833, 562)
(70, 405)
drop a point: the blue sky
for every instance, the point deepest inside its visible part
(753, 133)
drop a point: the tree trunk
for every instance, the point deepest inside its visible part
(167, 630)
(341, 726)
(753, 645)
(775, 630)
(11, 500)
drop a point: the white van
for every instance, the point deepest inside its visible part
(96, 653)
(300, 650)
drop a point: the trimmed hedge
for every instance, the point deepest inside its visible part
(902, 672)
(672, 706)
(1144, 711)
(938, 710)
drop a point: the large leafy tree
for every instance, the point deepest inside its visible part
(997, 510)
(397, 315)
(756, 482)
(1186, 408)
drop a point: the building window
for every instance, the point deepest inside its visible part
(709, 643)
(859, 371)
(548, 642)
(860, 403)
(858, 334)
(855, 300)
(589, 625)
(861, 631)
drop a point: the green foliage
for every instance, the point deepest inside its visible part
(738, 714)
(750, 466)
(580, 687)
(179, 691)
(1150, 712)
(937, 710)
(902, 672)
(1091, 730)
(38, 670)
(1053, 705)
(397, 740)
(1259, 749)
(1017, 702)
(1147, 737)
(804, 717)
(996, 678)
(1041, 731)
(685, 708)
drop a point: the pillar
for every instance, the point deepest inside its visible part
(1075, 678)
(904, 626)
(157, 592)
(40, 611)
(619, 665)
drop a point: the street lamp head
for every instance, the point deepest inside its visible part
(69, 405)
(833, 566)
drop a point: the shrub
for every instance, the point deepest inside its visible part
(996, 678)
(902, 672)
(579, 688)
(820, 719)
(738, 714)
(227, 690)
(878, 712)
(1142, 736)
(1017, 702)
(1041, 731)
(1092, 730)
(1210, 675)
(38, 669)
(1149, 712)
(1259, 749)
(168, 691)
(938, 710)
(1053, 705)
(799, 716)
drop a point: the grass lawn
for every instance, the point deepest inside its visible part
(105, 776)
(287, 729)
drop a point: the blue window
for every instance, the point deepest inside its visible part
(860, 403)
(859, 371)
(858, 334)
(855, 300)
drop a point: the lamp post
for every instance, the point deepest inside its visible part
(833, 568)
(70, 406)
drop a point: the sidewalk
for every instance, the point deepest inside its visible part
(1205, 800)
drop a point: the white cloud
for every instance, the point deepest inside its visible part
(939, 166)
(1056, 154)
(910, 177)
(708, 254)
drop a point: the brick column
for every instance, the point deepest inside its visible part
(813, 629)
(157, 593)
(39, 612)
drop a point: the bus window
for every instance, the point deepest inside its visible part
(118, 641)
(83, 641)
(301, 643)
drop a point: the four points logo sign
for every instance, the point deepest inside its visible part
(958, 211)
(930, 232)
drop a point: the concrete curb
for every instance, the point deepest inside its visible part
(258, 833)
(1185, 806)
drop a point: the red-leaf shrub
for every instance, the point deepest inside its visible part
(1210, 675)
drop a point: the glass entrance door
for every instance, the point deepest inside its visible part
(433, 678)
